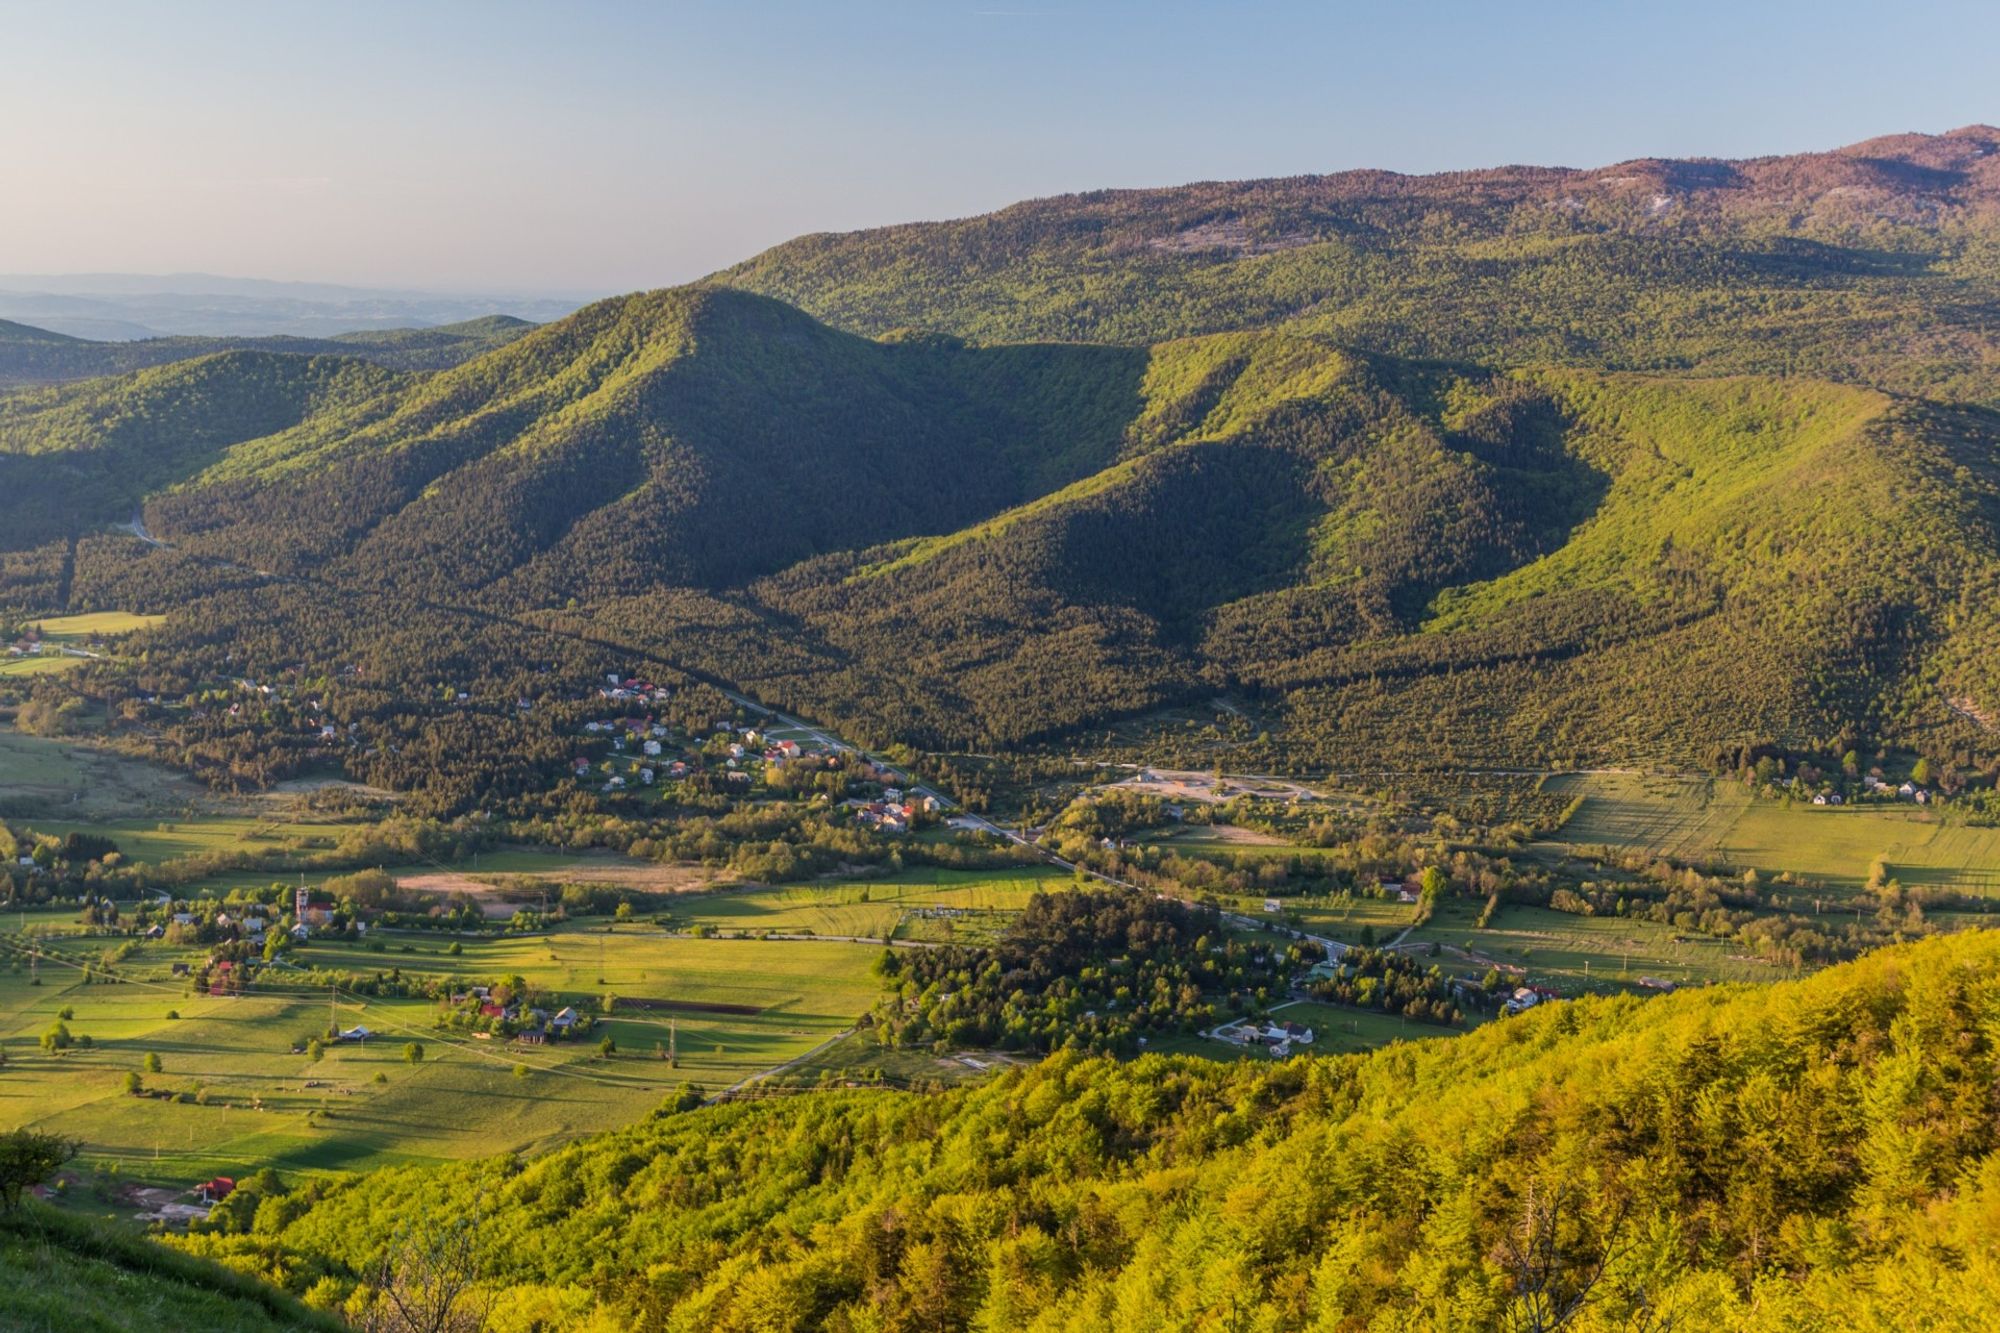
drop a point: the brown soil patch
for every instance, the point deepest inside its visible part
(688, 1006)
(507, 886)
(1248, 837)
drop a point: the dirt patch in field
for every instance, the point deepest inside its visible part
(494, 900)
(688, 1006)
(310, 786)
(1247, 837)
(651, 878)
(1186, 785)
(510, 887)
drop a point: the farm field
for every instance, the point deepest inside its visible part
(981, 902)
(93, 626)
(73, 633)
(858, 1055)
(1227, 842)
(1573, 954)
(156, 840)
(39, 664)
(738, 1007)
(1716, 823)
(1333, 917)
(42, 777)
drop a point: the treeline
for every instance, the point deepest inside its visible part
(1394, 984)
(1086, 970)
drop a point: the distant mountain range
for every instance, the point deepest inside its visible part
(30, 355)
(1483, 467)
(116, 307)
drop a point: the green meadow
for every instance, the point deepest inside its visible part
(730, 1008)
(979, 902)
(1572, 953)
(1339, 1029)
(156, 840)
(94, 626)
(75, 632)
(1715, 822)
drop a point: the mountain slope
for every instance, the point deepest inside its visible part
(1808, 1154)
(80, 456)
(1506, 550)
(966, 546)
(1552, 549)
(692, 437)
(1879, 262)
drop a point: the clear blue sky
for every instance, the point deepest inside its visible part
(594, 147)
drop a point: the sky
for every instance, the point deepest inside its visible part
(583, 148)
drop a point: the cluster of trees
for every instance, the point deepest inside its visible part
(1614, 1158)
(1086, 970)
(1393, 983)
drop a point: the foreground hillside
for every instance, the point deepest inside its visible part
(1811, 1154)
(64, 1272)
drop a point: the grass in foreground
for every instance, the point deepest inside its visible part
(70, 1274)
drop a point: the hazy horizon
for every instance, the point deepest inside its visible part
(520, 149)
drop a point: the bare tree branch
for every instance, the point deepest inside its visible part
(428, 1282)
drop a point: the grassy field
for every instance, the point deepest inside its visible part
(1340, 1030)
(1226, 844)
(155, 840)
(262, 1105)
(1716, 823)
(66, 780)
(1337, 918)
(73, 632)
(91, 1270)
(95, 626)
(40, 664)
(859, 1056)
(982, 902)
(1573, 953)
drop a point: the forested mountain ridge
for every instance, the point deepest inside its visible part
(30, 356)
(79, 456)
(965, 545)
(1809, 1154)
(1879, 263)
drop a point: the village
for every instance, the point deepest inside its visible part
(630, 755)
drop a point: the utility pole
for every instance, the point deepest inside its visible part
(673, 1043)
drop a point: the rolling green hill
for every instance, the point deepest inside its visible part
(1810, 1154)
